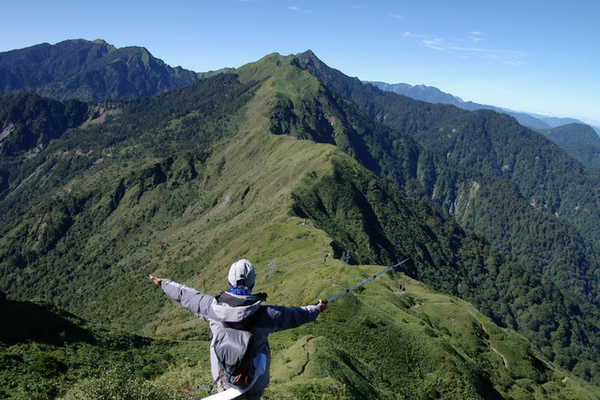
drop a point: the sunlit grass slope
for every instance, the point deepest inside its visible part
(393, 339)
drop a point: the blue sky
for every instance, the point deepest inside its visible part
(526, 55)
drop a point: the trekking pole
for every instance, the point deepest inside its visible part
(365, 281)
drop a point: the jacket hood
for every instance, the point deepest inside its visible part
(229, 307)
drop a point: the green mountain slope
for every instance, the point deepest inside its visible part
(393, 339)
(50, 350)
(580, 141)
(30, 122)
(183, 183)
(492, 175)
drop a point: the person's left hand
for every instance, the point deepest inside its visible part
(154, 279)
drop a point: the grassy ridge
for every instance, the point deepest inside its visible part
(394, 339)
(373, 224)
(506, 182)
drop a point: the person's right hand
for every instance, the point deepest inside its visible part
(322, 304)
(154, 279)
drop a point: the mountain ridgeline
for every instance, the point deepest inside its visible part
(88, 71)
(492, 175)
(320, 180)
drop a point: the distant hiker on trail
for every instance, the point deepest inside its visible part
(241, 310)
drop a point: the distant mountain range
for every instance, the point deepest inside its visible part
(434, 95)
(95, 70)
(88, 71)
(568, 137)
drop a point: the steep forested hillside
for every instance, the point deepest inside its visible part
(580, 141)
(528, 197)
(50, 351)
(183, 183)
(30, 122)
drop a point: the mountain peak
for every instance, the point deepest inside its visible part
(104, 43)
(308, 54)
(310, 58)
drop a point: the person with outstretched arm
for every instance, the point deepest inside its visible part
(239, 308)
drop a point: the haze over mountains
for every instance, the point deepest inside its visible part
(580, 140)
(287, 160)
(434, 95)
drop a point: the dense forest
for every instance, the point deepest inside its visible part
(579, 141)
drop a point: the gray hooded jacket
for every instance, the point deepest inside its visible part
(235, 310)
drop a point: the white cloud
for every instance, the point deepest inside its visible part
(436, 44)
(295, 8)
(413, 35)
(470, 47)
(397, 16)
(476, 36)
